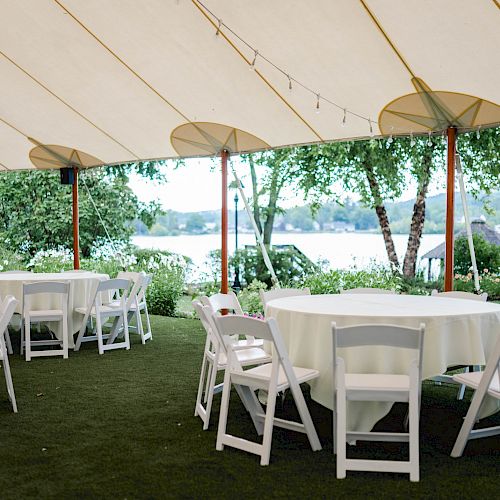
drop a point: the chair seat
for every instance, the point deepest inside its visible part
(45, 315)
(376, 382)
(254, 342)
(104, 309)
(246, 357)
(301, 374)
(473, 379)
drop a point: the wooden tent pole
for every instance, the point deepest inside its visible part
(76, 229)
(224, 221)
(450, 209)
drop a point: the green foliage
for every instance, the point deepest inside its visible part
(489, 283)
(332, 281)
(36, 210)
(10, 261)
(289, 264)
(487, 255)
(249, 298)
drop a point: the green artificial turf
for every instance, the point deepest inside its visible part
(121, 425)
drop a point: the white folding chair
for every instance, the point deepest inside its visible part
(15, 271)
(272, 377)
(136, 302)
(369, 291)
(280, 293)
(228, 302)
(7, 309)
(377, 387)
(101, 313)
(457, 295)
(59, 291)
(215, 360)
(484, 383)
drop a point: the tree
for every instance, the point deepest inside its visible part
(36, 213)
(195, 223)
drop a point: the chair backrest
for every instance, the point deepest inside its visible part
(53, 287)
(460, 295)
(7, 308)
(75, 271)
(219, 301)
(379, 335)
(113, 284)
(369, 290)
(230, 325)
(279, 293)
(214, 340)
(146, 281)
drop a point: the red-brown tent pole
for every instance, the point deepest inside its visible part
(450, 210)
(224, 263)
(76, 230)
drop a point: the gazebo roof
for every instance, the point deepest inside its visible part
(478, 226)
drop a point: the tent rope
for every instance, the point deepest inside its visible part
(468, 228)
(258, 235)
(111, 242)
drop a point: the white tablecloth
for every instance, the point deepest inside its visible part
(82, 285)
(457, 332)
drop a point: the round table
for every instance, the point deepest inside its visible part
(458, 332)
(82, 286)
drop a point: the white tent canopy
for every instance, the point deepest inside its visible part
(115, 78)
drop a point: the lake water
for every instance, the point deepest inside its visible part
(342, 250)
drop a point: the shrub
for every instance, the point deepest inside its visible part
(333, 281)
(487, 255)
(10, 261)
(489, 283)
(51, 261)
(249, 298)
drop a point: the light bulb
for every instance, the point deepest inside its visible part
(317, 103)
(344, 118)
(289, 83)
(478, 133)
(218, 27)
(429, 142)
(252, 66)
(412, 140)
(371, 126)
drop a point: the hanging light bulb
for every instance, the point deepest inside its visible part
(252, 66)
(317, 103)
(390, 140)
(344, 118)
(289, 83)
(371, 126)
(412, 140)
(429, 141)
(218, 27)
(478, 132)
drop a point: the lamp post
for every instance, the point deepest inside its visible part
(236, 284)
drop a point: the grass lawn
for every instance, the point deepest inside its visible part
(121, 426)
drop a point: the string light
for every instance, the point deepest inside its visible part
(478, 132)
(317, 103)
(371, 126)
(344, 118)
(289, 83)
(412, 140)
(218, 27)
(252, 66)
(429, 141)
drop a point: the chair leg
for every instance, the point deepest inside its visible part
(98, 326)
(126, 332)
(341, 433)
(207, 382)
(200, 385)
(8, 343)
(213, 374)
(81, 333)
(27, 338)
(268, 426)
(414, 438)
(65, 336)
(148, 323)
(224, 408)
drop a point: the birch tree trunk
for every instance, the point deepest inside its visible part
(418, 218)
(383, 218)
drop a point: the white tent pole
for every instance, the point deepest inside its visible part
(258, 236)
(467, 222)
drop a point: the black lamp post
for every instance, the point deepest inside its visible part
(236, 284)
